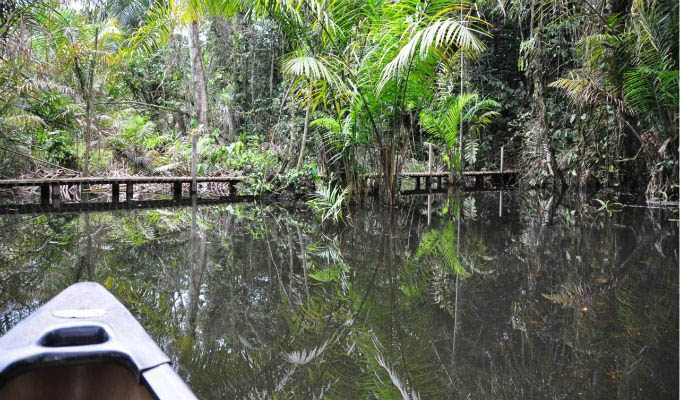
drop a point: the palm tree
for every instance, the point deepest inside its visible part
(385, 55)
(160, 22)
(415, 36)
(311, 79)
(466, 110)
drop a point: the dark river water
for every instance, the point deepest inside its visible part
(550, 300)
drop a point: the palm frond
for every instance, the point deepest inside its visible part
(155, 32)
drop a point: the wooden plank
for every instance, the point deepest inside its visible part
(129, 193)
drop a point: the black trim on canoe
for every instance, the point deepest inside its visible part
(86, 325)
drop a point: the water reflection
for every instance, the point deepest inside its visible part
(462, 297)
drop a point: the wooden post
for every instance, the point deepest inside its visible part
(500, 205)
(428, 182)
(439, 182)
(502, 179)
(193, 188)
(417, 183)
(429, 159)
(84, 192)
(44, 194)
(56, 195)
(129, 194)
(115, 193)
(177, 191)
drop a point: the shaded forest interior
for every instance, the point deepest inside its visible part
(299, 94)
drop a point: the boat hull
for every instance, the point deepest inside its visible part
(84, 344)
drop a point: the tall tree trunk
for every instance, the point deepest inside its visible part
(391, 159)
(292, 133)
(228, 125)
(252, 72)
(243, 65)
(304, 139)
(198, 75)
(539, 66)
(88, 91)
(88, 134)
(271, 70)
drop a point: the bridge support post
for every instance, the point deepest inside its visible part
(56, 195)
(44, 194)
(417, 183)
(84, 192)
(428, 182)
(177, 191)
(129, 193)
(439, 182)
(115, 193)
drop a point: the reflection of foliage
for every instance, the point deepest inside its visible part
(282, 310)
(328, 202)
(441, 245)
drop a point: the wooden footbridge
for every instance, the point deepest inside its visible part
(481, 179)
(50, 188)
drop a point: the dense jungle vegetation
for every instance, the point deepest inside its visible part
(581, 94)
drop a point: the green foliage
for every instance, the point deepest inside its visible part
(440, 245)
(119, 77)
(474, 113)
(328, 201)
(59, 147)
(608, 207)
(244, 156)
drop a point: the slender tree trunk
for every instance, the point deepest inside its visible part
(271, 70)
(88, 92)
(243, 65)
(252, 72)
(304, 139)
(88, 134)
(198, 75)
(539, 93)
(291, 142)
(228, 124)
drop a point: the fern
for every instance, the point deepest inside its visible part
(471, 150)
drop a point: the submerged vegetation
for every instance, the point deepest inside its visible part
(582, 95)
